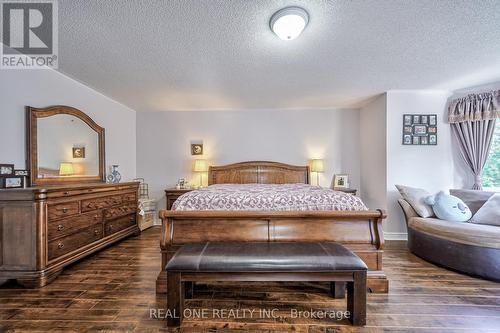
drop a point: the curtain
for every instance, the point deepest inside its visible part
(472, 120)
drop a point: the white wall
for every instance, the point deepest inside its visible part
(295, 137)
(42, 88)
(373, 152)
(428, 167)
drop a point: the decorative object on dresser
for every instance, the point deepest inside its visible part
(114, 176)
(20, 172)
(197, 149)
(352, 191)
(360, 231)
(182, 184)
(12, 182)
(71, 212)
(317, 166)
(341, 181)
(200, 166)
(171, 194)
(6, 170)
(420, 129)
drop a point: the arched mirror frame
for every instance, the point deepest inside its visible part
(32, 116)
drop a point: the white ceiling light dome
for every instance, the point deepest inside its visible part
(288, 23)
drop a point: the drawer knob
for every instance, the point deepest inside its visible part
(60, 227)
(96, 217)
(60, 245)
(65, 210)
(96, 232)
(66, 193)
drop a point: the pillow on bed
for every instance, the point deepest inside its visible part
(489, 213)
(415, 197)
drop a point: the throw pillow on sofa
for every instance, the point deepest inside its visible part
(489, 213)
(474, 199)
(449, 208)
(415, 197)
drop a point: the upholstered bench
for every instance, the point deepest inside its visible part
(269, 261)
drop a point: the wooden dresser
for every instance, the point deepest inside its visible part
(43, 229)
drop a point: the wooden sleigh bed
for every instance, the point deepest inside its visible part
(360, 231)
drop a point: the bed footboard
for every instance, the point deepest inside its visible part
(360, 231)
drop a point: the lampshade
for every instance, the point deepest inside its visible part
(317, 165)
(200, 166)
(66, 169)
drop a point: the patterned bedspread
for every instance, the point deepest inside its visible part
(267, 197)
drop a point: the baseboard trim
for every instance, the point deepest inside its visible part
(395, 236)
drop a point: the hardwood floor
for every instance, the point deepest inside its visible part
(114, 291)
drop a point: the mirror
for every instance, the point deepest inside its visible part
(65, 145)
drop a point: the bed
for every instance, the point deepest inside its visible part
(359, 230)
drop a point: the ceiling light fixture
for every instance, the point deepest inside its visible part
(288, 23)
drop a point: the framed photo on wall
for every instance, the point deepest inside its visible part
(78, 152)
(419, 129)
(197, 149)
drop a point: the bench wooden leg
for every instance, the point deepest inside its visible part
(337, 289)
(175, 299)
(356, 298)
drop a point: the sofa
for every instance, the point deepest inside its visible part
(469, 248)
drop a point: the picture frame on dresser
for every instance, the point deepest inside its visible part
(6, 170)
(12, 182)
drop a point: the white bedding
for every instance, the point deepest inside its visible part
(267, 197)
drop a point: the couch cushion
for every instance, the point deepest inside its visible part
(460, 232)
(489, 213)
(474, 199)
(415, 197)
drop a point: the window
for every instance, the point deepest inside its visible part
(491, 172)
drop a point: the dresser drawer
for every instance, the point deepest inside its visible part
(111, 227)
(72, 242)
(129, 197)
(57, 211)
(69, 225)
(70, 192)
(115, 212)
(103, 202)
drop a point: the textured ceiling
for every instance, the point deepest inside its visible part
(214, 55)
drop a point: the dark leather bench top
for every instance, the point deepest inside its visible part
(264, 257)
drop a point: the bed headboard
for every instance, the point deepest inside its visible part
(260, 172)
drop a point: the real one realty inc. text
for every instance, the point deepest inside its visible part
(242, 313)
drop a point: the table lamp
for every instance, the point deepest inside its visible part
(317, 165)
(200, 166)
(66, 169)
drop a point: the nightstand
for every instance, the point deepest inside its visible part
(352, 191)
(172, 194)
